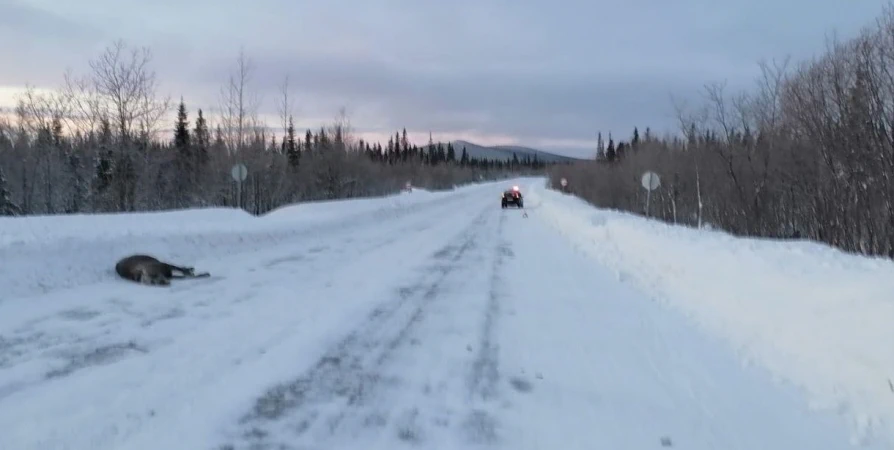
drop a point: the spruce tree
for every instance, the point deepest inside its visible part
(201, 140)
(391, 151)
(219, 144)
(185, 176)
(181, 130)
(104, 160)
(79, 185)
(610, 154)
(441, 155)
(324, 139)
(7, 206)
(293, 152)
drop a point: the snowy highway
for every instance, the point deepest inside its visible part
(429, 320)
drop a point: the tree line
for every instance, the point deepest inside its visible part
(807, 153)
(98, 145)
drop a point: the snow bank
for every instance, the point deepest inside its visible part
(41, 254)
(33, 230)
(814, 316)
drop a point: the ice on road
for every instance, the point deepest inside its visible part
(435, 321)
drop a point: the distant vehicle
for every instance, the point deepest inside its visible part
(512, 197)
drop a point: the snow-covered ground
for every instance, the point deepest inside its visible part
(65, 251)
(433, 320)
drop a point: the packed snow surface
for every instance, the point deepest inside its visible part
(438, 320)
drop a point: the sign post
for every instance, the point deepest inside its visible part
(239, 173)
(650, 182)
(564, 184)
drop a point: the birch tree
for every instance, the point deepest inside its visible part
(239, 105)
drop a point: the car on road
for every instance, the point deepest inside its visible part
(512, 197)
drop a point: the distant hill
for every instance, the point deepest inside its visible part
(505, 152)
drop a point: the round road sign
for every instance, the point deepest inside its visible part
(239, 172)
(651, 181)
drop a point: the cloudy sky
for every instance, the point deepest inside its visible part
(542, 73)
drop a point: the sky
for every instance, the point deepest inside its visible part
(530, 72)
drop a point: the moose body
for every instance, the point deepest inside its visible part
(146, 269)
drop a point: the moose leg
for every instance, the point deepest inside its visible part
(185, 272)
(143, 276)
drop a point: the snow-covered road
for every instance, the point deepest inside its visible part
(442, 322)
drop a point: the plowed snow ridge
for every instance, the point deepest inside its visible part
(814, 316)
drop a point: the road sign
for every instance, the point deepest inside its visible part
(651, 181)
(564, 182)
(239, 172)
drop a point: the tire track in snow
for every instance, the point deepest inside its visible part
(481, 425)
(451, 397)
(345, 378)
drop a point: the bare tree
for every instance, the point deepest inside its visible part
(86, 113)
(342, 131)
(808, 153)
(238, 105)
(123, 88)
(285, 106)
(39, 111)
(41, 117)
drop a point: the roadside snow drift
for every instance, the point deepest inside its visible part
(47, 230)
(814, 316)
(44, 253)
